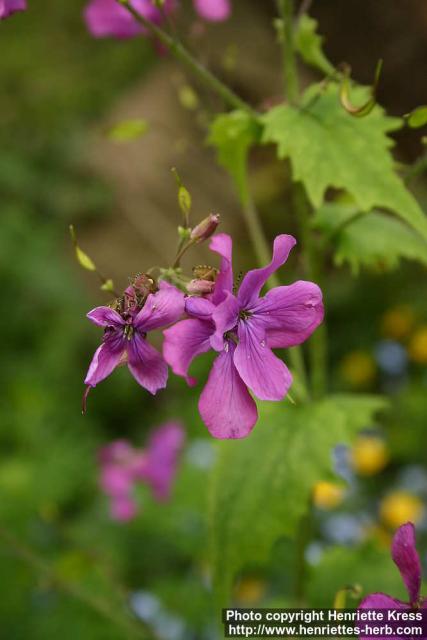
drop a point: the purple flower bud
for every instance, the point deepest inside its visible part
(206, 228)
(200, 287)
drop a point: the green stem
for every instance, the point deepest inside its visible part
(263, 255)
(183, 55)
(290, 74)
(317, 344)
(100, 606)
(303, 539)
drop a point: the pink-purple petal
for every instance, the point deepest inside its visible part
(161, 308)
(222, 244)
(405, 556)
(116, 480)
(106, 359)
(254, 280)
(225, 317)
(106, 18)
(213, 10)
(183, 342)
(380, 601)
(123, 508)
(290, 314)
(146, 364)
(199, 307)
(163, 450)
(226, 407)
(265, 374)
(105, 317)
(8, 7)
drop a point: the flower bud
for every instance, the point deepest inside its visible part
(200, 287)
(205, 228)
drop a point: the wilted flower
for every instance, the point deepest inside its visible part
(125, 336)
(122, 466)
(243, 329)
(405, 556)
(205, 229)
(8, 7)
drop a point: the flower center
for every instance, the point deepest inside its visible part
(128, 331)
(245, 315)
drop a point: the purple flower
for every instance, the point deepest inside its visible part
(8, 7)
(405, 556)
(125, 340)
(243, 329)
(107, 18)
(122, 467)
(213, 10)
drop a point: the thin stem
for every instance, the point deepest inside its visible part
(303, 539)
(317, 344)
(183, 55)
(290, 74)
(263, 255)
(100, 606)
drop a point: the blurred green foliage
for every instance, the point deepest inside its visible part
(56, 81)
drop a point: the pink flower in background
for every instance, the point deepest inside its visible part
(123, 466)
(8, 7)
(125, 338)
(405, 556)
(213, 10)
(243, 329)
(106, 18)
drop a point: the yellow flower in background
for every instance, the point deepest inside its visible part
(417, 347)
(398, 322)
(328, 495)
(380, 535)
(359, 369)
(250, 591)
(369, 455)
(400, 507)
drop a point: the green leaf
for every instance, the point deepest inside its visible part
(327, 148)
(261, 486)
(128, 130)
(309, 43)
(233, 134)
(373, 240)
(417, 118)
(367, 566)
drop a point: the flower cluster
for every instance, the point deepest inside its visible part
(242, 327)
(8, 7)
(107, 18)
(122, 466)
(139, 311)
